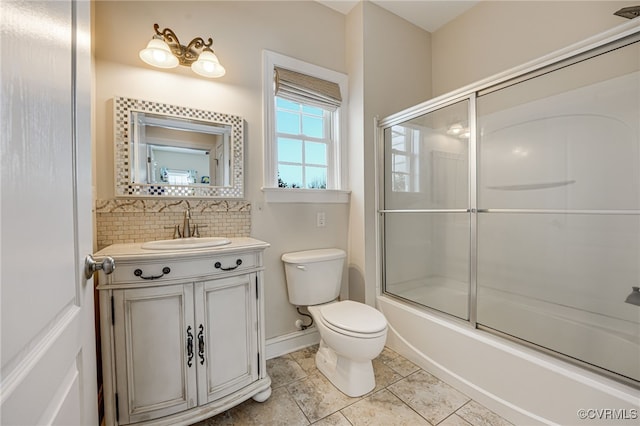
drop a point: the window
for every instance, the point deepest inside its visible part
(305, 129)
(304, 142)
(404, 159)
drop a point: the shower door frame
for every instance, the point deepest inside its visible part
(615, 38)
(471, 209)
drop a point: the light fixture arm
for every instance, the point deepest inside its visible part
(186, 55)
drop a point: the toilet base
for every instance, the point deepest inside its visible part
(353, 378)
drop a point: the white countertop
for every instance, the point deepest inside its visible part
(134, 251)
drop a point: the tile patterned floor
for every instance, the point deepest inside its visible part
(404, 395)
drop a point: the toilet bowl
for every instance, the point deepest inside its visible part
(351, 333)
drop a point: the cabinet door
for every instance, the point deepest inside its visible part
(226, 315)
(155, 374)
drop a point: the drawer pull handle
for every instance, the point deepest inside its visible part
(189, 347)
(218, 265)
(201, 344)
(165, 271)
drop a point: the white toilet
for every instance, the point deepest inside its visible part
(351, 333)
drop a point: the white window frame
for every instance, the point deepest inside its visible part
(412, 154)
(336, 191)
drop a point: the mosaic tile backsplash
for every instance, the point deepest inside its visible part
(140, 220)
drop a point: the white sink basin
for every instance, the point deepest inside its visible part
(185, 243)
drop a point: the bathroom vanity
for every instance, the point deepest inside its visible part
(182, 331)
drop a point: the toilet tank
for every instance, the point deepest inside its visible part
(313, 276)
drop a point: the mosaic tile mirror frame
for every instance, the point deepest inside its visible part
(124, 187)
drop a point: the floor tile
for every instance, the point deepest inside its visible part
(336, 419)
(387, 355)
(404, 395)
(306, 358)
(402, 366)
(317, 397)
(382, 408)
(398, 363)
(384, 375)
(454, 420)
(279, 410)
(432, 398)
(284, 370)
(478, 415)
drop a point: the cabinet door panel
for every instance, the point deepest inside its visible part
(152, 326)
(229, 320)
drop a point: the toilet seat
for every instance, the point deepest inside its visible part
(353, 319)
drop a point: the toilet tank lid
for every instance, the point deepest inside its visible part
(318, 255)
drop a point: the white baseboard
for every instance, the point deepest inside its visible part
(287, 343)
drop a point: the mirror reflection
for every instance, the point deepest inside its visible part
(178, 151)
(164, 150)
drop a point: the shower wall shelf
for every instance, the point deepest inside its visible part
(532, 186)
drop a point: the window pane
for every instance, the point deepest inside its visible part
(312, 110)
(316, 177)
(313, 126)
(290, 176)
(400, 163)
(287, 122)
(315, 153)
(400, 182)
(289, 150)
(283, 103)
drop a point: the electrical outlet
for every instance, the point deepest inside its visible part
(321, 220)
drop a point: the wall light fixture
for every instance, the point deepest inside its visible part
(165, 51)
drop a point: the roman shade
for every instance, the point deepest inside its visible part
(307, 89)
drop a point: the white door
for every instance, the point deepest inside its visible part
(48, 370)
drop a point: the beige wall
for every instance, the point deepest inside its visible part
(370, 50)
(395, 67)
(495, 36)
(241, 30)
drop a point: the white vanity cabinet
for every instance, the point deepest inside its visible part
(182, 332)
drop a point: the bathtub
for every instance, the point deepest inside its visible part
(521, 384)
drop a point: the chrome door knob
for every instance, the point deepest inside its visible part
(90, 266)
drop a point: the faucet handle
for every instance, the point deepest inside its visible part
(176, 231)
(196, 230)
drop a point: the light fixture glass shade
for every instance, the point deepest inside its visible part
(158, 54)
(208, 65)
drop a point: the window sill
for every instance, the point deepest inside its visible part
(298, 195)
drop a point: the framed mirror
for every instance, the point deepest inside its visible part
(165, 150)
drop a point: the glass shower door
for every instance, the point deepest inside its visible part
(425, 215)
(559, 210)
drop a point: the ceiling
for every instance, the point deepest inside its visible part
(426, 14)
